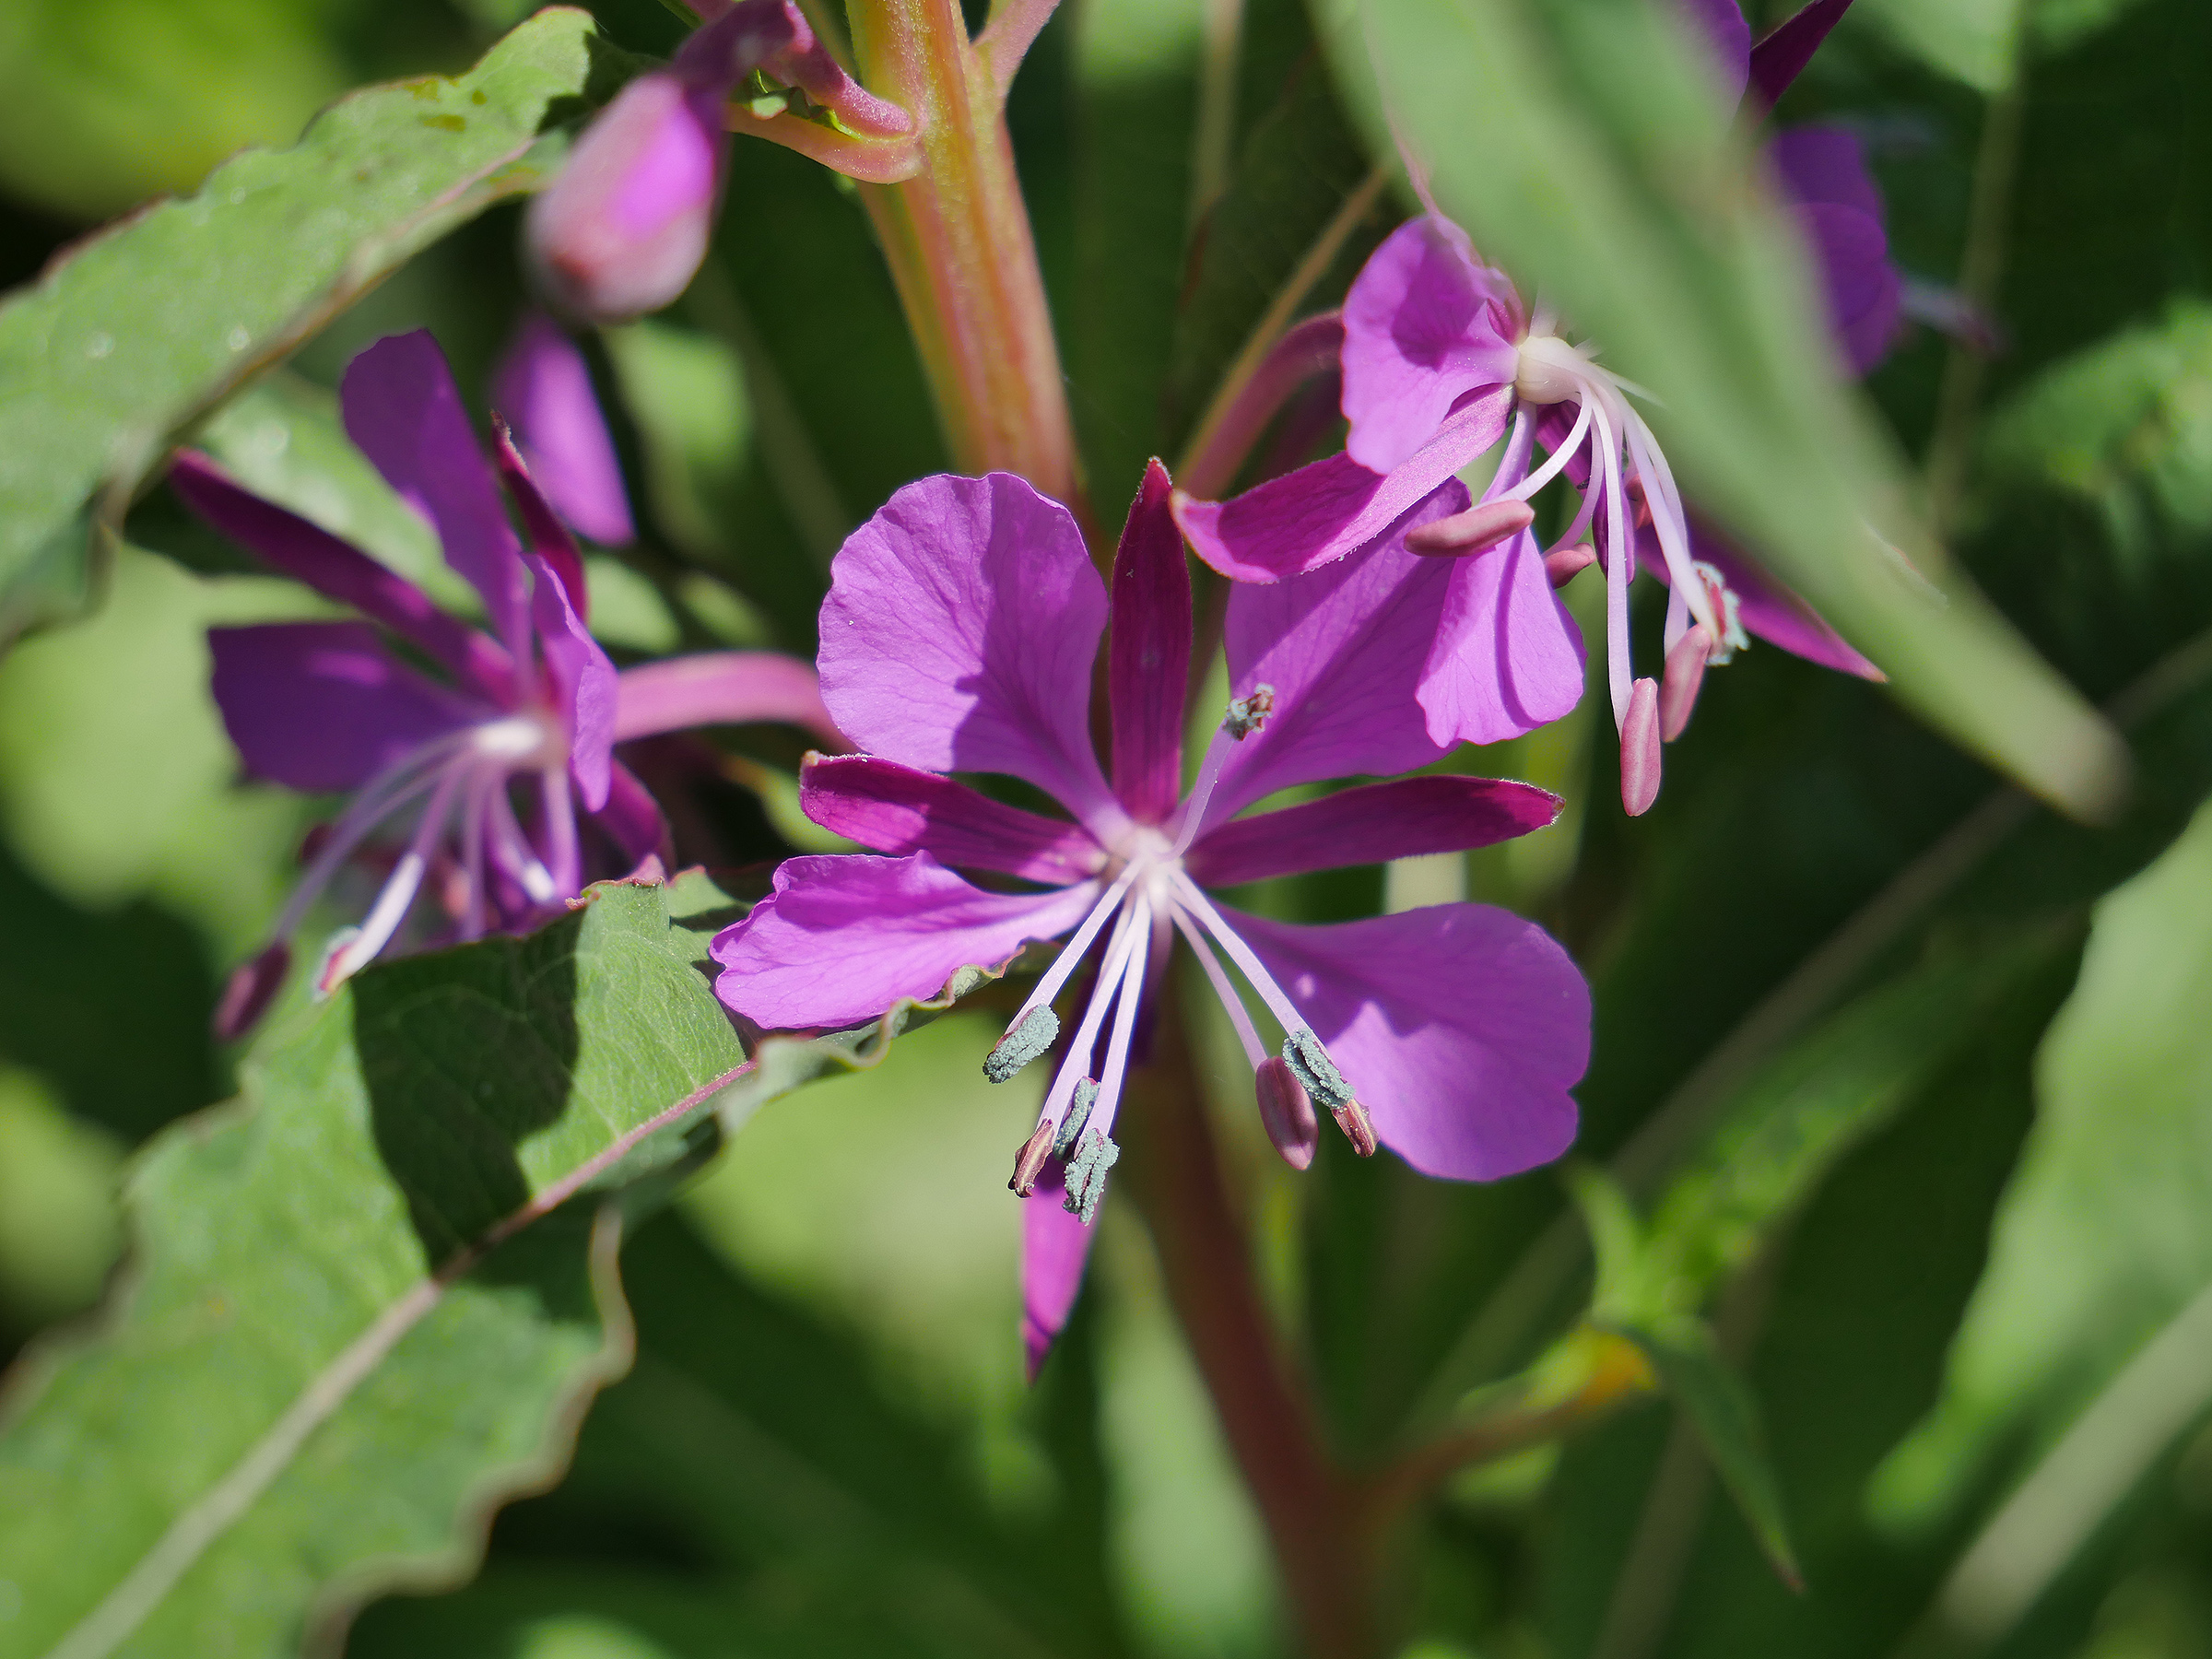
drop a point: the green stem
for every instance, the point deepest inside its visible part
(1316, 1516)
(960, 249)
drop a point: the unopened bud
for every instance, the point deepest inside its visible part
(251, 991)
(1351, 1117)
(1030, 1159)
(623, 229)
(1247, 714)
(1077, 1114)
(1685, 674)
(1563, 566)
(1639, 749)
(1480, 527)
(1087, 1175)
(1028, 1037)
(1288, 1111)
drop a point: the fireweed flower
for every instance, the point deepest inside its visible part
(532, 707)
(1441, 358)
(960, 635)
(624, 228)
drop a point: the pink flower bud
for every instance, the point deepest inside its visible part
(624, 229)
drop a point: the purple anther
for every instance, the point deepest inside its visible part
(1563, 566)
(1685, 674)
(1639, 749)
(1288, 1111)
(252, 988)
(1478, 529)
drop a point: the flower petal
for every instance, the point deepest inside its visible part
(1460, 1027)
(403, 412)
(1317, 515)
(549, 539)
(1342, 649)
(1720, 23)
(1054, 1247)
(544, 388)
(1819, 163)
(336, 570)
(720, 687)
(1508, 656)
(631, 818)
(843, 936)
(892, 808)
(1865, 292)
(581, 680)
(1785, 50)
(1148, 654)
(1370, 825)
(1422, 328)
(958, 636)
(323, 706)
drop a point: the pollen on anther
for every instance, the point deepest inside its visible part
(1315, 1072)
(1077, 1115)
(1032, 1035)
(1086, 1177)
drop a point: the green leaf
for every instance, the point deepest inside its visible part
(2105, 1234)
(362, 1310)
(685, 392)
(1977, 42)
(1585, 148)
(1726, 1417)
(147, 326)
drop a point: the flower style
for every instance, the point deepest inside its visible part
(960, 635)
(1441, 358)
(624, 228)
(329, 707)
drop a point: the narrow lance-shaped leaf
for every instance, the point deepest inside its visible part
(363, 1309)
(139, 330)
(1586, 150)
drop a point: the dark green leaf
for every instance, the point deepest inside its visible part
(150, 323)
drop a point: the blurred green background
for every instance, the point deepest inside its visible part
(1981, 1347)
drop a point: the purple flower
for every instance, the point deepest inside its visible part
(544, 388)
(1441, 360)
(624, 228)
(532, 706)
(960, 635)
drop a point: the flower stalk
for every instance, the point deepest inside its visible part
(958, 242)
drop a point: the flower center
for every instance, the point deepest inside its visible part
(1551, 371)
(528, 740)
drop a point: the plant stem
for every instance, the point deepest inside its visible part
(1315, 1515)
(960, 249)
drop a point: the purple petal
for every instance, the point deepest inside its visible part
(892, 808)
(1862, 288)
(1319, 513)
(1826, 164)
(403, 412)
(958, 636)
(308, 553)
(549, 539)
(323, 706)
(582, 683)
(720, 687)
(544, 388)
(1720, 23)
(631, 818)
(1370, 825)
(1148, 655)
(1783, 51)
(1054, 1247)
(1508, 656)
(1460, 1027)
(1423, 327)
(1342, 650)
(842, 937)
